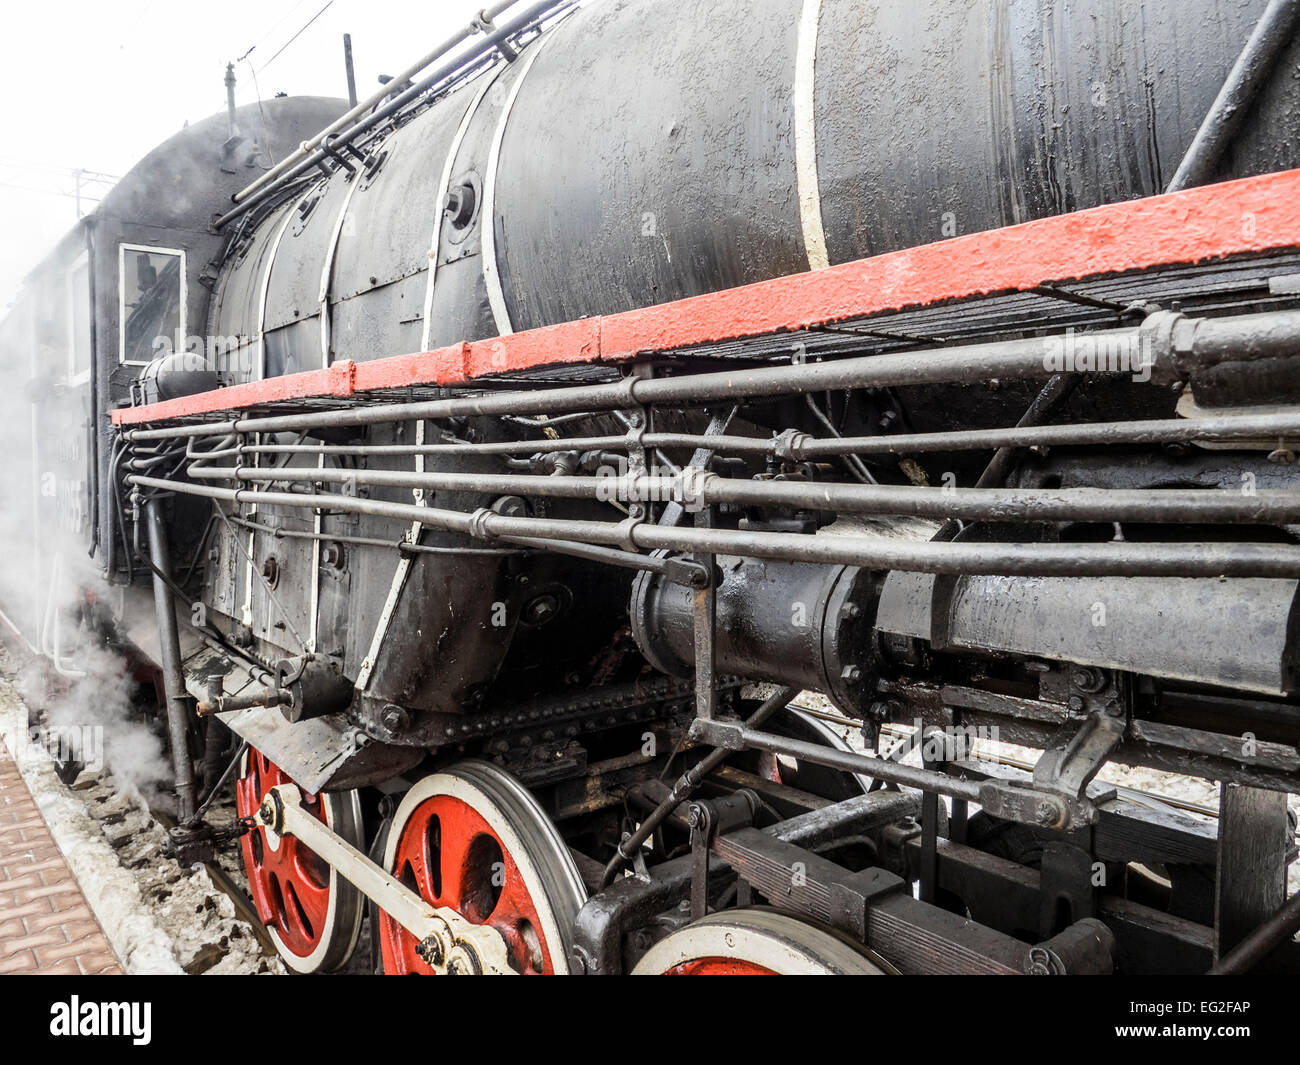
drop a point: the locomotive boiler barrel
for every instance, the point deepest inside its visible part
(698, 146)
(641, 152)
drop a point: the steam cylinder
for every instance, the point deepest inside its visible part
(799, 623)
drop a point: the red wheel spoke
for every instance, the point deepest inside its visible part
(296, 913)
(458, 829)
(315, 901)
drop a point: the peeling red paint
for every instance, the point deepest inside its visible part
(1256, 214)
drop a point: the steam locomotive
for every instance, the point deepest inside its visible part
(561, 490)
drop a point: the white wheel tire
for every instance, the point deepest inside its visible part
(776, 941)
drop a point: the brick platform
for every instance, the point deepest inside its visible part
(46, 925)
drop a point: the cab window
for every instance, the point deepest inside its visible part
(152, 287)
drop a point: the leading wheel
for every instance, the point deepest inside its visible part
(312, 914)
(754, 943)
(472, 838)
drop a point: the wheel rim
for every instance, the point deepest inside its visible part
(754, 943)
(312, 915)
(473, 839)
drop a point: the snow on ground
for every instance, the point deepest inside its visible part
(159, 917)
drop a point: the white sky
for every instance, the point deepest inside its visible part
(95, 85)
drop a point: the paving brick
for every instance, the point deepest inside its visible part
(35, 908)
(59, 951)
(66, 890)
(30, 866)
(63, 968)
(48, 937)
(79, 913)
(101, 964)
(15, 963)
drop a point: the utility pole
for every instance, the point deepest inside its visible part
(352, 76)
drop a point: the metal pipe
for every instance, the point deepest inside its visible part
(607, 555)
(927, 780)
(359, 109)
(757, 445)
(1120, 559)
(1157, 505)
(178, 706)
(1273, 32)
(1196, 344)
(230, 100)
(1181, 344)
(404, 546)
(1057, 390)
(221, 780)
(1052, 395)
(686, 785)
(1261, 942)
(1213, 429)
(374, 118)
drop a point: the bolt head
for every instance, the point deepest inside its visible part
(430, 950)
(395, 718)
